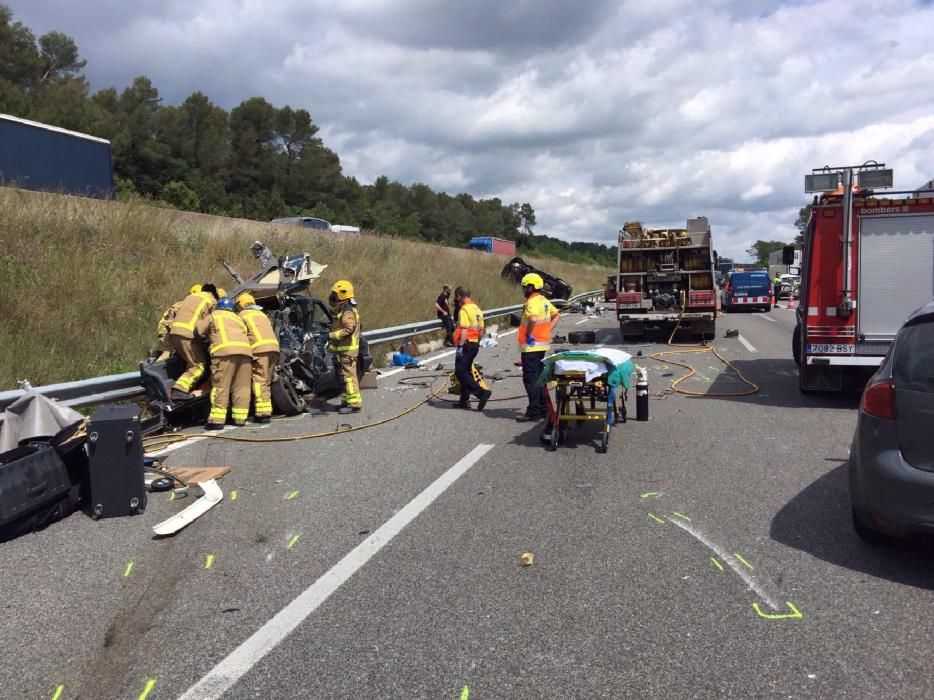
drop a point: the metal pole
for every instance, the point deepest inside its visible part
(846, 302)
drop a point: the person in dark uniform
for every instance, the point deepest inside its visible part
(443, 309)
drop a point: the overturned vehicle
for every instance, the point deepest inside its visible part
(555, 287)
(306, 368)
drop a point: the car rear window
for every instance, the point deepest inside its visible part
(914, 358)
(745, 281)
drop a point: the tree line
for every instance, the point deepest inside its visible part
(255, 161)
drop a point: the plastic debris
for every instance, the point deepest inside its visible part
(732, 333)
(488, 343)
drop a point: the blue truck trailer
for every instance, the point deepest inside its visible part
(38, 156)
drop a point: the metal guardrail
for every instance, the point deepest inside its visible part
(120, 387)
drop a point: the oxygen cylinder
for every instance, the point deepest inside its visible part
(642, 395)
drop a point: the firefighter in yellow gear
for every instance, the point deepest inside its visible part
(344, 342)
(165, 325)
(265, 348)
(187, 337)
(231, 365)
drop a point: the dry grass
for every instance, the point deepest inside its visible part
(83, 282)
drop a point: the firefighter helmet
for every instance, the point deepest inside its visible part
(343, 289)
(534, 279)
(194, 289)
(245, 299)
(221, 292)
(225, 303)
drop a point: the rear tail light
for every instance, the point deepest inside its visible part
(879, 399)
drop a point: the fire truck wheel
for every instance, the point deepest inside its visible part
(796, 345)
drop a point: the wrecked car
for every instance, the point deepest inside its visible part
(306, 368)
(555, 287)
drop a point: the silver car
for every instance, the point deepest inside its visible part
(892, 455)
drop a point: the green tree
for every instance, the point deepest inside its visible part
(760, 251)
(527, 217)
(804, 215)
(58, 56)
(181, 196)
(19, 57)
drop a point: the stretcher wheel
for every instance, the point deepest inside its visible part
(555, 434)
(604, 439)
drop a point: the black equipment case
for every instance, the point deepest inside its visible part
(35, 490)
(115, 462)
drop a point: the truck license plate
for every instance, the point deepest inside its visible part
(830, 349)
(630, 306)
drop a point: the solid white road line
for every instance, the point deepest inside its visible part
(583, 320)
(765, 318)
(226, 673)
(770, 600)
(749, 346)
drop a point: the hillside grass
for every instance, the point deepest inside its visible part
(83, 282)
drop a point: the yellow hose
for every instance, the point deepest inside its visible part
(701, 347)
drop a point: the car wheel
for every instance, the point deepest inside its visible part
(867, 533)
(285, 399)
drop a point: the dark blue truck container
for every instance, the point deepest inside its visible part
(41, 157)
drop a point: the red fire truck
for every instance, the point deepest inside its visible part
(868, 263)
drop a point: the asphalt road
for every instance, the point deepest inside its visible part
(708, 554)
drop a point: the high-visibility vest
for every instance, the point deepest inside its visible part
(227, 335)
(469, 323)
(193, 309)
(541, 313)
(345, 329)
(259, 331)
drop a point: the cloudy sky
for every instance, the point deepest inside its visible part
(596, 112)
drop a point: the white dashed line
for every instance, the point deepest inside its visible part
(239, 662)
(765, 318)
(749, 346)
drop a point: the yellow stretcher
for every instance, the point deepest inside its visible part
(578, 400)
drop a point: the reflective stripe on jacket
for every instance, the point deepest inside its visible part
(259, 331)
(345, 329)
(469, 323)
(192, 309)
(227, 335)
(541, 313)
(168, 318)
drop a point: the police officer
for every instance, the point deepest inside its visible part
(265, 348)
(467, 334)
(344, 342)
(534, 335)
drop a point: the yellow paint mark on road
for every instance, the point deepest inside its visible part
(128, 569)
(293, 539)
(208, 561)
(656, 519)
(150, 684)
(233, 495)
(795, 613)
(682, 516)
(172, 495)
(716, 563)
(57, 693)
(739, 558)
(290, 495)
(465, 692)
(647, 494)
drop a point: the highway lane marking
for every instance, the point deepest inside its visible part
(57, 693)
(229, 670)
(150, 684)
(749, 346)
(742, 561)
(731, 562)
(583, 320)
(765, 318)
(716, 563)
(128, 569)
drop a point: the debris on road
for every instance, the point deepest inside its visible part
(526, 559)
(731, 333)
(212, 496)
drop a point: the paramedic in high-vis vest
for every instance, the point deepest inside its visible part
(538, 319)
(467, 334)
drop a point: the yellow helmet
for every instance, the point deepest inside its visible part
(221, 292)
(343, 289)
(534, 279)
(245, 299)
(194, 289)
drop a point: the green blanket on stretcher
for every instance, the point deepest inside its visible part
(619, 373)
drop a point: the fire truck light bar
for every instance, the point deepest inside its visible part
(875, 179)
(821, 182)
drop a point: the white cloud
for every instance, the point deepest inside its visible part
(596, 113)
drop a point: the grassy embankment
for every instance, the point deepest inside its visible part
(83, 282)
